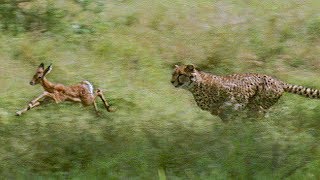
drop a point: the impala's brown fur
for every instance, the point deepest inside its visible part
(82, 92)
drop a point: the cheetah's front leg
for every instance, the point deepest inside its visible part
(229, 110)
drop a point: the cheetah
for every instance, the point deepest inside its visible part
(229, 96)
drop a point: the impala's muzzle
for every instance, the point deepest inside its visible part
(35, 80)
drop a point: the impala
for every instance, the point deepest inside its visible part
(82, 92)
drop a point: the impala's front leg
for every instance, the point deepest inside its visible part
(18, 113)
(39, 97)
(36, 102)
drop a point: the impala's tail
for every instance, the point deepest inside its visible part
(304, 91)
(88, 86)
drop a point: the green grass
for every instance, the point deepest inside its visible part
(128, 49)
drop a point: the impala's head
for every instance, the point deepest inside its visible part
(183, 76)
(41, 72)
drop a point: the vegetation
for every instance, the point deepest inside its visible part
(128, 48)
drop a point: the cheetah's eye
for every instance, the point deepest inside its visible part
(182, 78)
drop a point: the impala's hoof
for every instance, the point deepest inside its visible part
(98, 113)
(110, 109)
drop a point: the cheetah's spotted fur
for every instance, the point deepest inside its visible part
(227, 96)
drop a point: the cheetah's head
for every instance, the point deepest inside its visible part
(183, 76)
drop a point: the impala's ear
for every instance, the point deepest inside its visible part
(41, 65)
(48, 70)
(190, 67)
(176, 66)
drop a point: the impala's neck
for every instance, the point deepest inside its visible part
(47, 85)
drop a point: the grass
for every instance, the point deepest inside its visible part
(128, 49)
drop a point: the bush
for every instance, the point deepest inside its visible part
(30, 15)
(313, 28)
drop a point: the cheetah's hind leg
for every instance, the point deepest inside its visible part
(256, 112)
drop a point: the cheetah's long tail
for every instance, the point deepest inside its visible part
(303, 91)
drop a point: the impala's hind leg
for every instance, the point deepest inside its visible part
(106, 104)
(95, 106)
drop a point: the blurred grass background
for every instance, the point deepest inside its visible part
(128, 48)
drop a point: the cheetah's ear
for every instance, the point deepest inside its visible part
(190, 67)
